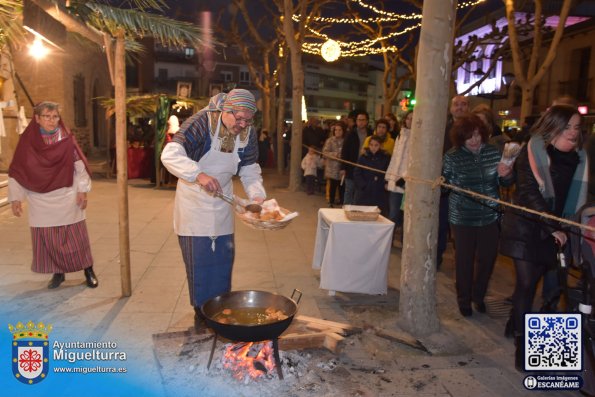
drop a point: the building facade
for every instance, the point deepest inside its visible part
(73, 73)
(571, 73)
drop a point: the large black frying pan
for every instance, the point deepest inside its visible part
(250, 299)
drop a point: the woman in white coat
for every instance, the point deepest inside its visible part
(397, 170)
(210, 148)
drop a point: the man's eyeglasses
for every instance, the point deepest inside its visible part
(49, 117)
(242, 120)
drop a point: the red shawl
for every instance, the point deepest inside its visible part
(43, 168)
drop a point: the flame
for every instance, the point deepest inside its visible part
(249, 360)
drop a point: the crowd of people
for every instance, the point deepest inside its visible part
(361, 166)
(549, 174)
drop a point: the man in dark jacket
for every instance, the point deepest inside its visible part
(313, 135)
(352, 148)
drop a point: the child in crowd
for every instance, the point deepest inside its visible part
(310, 163)
(370, 184)
(332, 147)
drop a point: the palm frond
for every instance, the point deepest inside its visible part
(141, 5)
(137, 23)
(11, 30)
(146, 105)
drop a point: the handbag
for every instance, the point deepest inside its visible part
(547, 252)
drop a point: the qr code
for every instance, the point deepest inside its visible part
(553, 342)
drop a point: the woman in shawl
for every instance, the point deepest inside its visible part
(50, 172)
(552, 177)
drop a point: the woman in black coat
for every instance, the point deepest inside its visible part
(552, 178)
(370, 184)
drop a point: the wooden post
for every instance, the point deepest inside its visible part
(417, 302)
(122, 161)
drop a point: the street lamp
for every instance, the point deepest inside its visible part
(37, 50)
(507, 81)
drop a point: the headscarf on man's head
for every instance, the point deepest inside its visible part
(238, 100)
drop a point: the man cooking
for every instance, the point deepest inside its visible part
(210, 147)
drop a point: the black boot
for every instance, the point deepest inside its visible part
(57, 279)
(509, 327)
(519, 353)
(200, 325)
(91, 278)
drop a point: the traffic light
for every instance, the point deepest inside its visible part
(407, 103)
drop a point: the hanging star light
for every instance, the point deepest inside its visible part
(330, 50)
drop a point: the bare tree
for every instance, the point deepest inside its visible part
(490, 47)
(529, 72)
(417, 302)
(281, 78)
(258, 37)
(393, 55)
(295, 34)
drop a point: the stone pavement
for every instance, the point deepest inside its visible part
(471, 357)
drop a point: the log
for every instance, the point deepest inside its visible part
(314, 322)
(331, 341)
(321, 327)
(314, 333)
(296, 341)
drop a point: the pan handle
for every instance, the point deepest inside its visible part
(293, 293)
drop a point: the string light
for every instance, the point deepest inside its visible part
(365, 47)
(355, 45)
(388, 13)
(351, 21)
(411, 16)
(365, 43)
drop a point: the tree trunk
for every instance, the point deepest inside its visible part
(295, 169)
(417, 303)
(122, 161)
(266, 105)
(272, 94)
(527, 102)
(282, 66)
(297, 75)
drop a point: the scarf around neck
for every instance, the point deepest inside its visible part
(540, 167)
(43, 168)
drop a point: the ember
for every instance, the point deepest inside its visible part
(249, 360)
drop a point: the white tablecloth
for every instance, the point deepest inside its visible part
(352, 255)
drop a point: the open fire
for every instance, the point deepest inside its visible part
(249, 360)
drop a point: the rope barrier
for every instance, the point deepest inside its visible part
(440, 182)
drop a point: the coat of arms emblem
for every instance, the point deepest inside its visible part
(30, 351)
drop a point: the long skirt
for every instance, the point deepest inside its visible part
(61, 249)
(209, 262)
